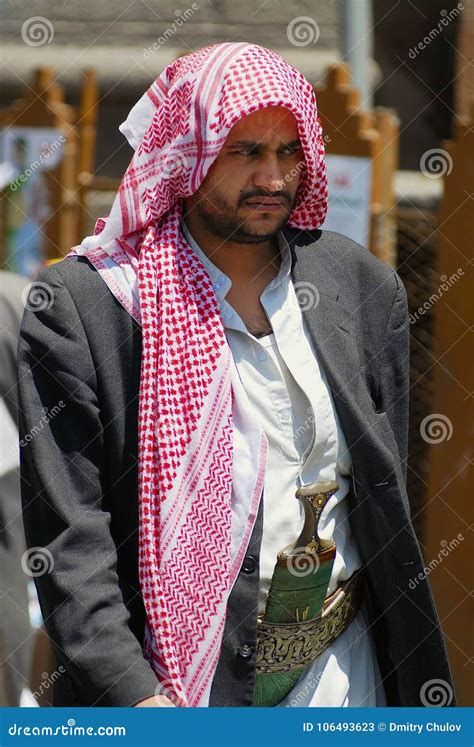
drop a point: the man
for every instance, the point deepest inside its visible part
(15, 628)
(200, 394)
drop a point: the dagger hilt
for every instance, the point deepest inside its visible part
(314, 497)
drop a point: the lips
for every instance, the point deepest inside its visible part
(264, 201)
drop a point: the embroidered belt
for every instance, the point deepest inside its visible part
(283, 647)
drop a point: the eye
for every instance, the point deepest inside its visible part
(289, 150)
(246, 152)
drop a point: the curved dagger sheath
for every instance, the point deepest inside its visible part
(299, 584)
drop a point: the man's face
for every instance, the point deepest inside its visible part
(250, 190)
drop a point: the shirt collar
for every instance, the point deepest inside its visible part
(222, 282)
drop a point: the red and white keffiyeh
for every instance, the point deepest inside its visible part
(202, 457)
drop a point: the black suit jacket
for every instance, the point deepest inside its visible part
(79, 477)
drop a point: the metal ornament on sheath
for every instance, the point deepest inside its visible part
(299, 585)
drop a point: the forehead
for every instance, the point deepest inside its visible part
(266, 125)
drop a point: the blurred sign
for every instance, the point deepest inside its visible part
(349, 184)
(26, 154)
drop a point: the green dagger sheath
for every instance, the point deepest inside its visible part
(299, 585)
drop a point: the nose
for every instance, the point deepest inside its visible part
(269, 173)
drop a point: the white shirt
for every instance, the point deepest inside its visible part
(289, 394)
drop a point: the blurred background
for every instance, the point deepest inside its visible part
(395, 89)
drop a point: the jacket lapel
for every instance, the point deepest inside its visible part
(333, 331)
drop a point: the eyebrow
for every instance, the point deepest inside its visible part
(252, 143)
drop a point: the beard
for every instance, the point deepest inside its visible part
(223, 220)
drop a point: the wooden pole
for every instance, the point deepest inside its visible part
(43, 106)
(349, 131)
(450, 429)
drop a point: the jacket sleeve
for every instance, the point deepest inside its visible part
(394, 371)
(71, 552)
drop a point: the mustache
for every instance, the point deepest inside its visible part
(261, 193)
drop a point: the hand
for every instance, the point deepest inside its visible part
(156, 701)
